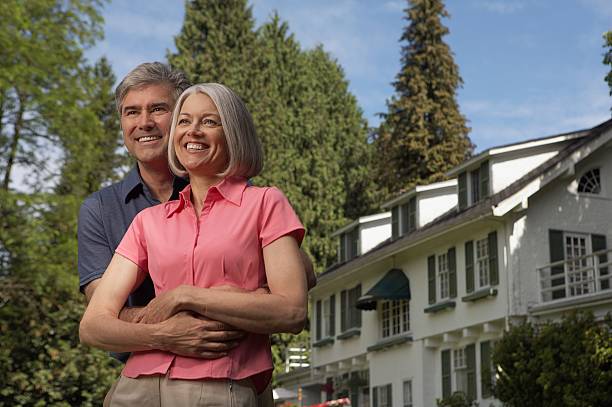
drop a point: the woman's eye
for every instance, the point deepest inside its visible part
(210, 123)
(183, 121)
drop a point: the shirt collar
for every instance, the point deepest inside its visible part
(133, 182)
(230, 188)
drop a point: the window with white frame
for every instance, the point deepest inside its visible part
(590, 182)
(395, 318)
(382, 396)
(579, 269)
(460, 370)
(443, 277)
(408, 393)
(482, 262)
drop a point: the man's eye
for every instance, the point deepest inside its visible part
(158, 109)
(131, 112)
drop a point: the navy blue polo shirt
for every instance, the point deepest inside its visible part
(104, 218)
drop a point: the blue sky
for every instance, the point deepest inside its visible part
(531, 68)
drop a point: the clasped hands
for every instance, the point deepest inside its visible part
(184, 332)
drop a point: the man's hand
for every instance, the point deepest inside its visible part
(187, 335)
(162, 307)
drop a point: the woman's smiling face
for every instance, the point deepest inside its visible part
(199, 141)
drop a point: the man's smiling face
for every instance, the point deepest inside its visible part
(146, 114)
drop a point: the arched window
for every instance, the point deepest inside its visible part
(590, 182)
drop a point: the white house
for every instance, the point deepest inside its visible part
(521, 233)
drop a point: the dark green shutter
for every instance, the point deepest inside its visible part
(412, 214)
(469, 266)
(598, 242)
(395, 222)
(343, 256)
(470, 354)
(485, 369)
(357, 311)
(389, 389)
(484, 180)
(431, 274)
(446, 373)
(332, 315)
(493, 259)
(452, 271)
(354, 242)
(344, 312)
(375, 396)
(462, 190)
(405, 219)
(318, 337)
(557, 253)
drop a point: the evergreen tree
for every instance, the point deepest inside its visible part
(607, 60)
(423, 134)
(217, 44)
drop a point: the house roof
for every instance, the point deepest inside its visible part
(403, 196)
(360, 221)
(523, 145)
(495, 205)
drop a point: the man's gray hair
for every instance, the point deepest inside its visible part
(244, 148)
(151, 73)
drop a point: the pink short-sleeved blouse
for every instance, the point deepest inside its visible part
(224, 246)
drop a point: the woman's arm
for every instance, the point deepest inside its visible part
(100, 325)
(284, 309)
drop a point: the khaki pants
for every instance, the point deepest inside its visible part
(160, 391)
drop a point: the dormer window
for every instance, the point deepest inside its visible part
(403, 218)
(590, 182)
(349, 245)
(473, 185)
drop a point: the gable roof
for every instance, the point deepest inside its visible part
(493, 206)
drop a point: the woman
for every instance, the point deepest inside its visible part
(221, 233)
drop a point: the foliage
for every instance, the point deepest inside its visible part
(423, 134)
(607, 60)
(566, 363)
(58, 126)
(42, 44)
(457, 399)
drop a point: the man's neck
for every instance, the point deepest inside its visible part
(158, 178)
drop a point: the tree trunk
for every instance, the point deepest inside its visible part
(14, 144)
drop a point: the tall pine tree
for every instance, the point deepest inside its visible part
(607, 59)
(423, 134)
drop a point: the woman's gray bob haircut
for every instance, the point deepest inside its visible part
(151, 73)
(244, 148)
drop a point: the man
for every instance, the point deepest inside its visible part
(145, 99)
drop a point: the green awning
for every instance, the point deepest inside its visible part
(393, 286)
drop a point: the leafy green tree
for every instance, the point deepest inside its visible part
(566, 363)
(607, 60)
(423, 133)
(53, 107)
(42, 43)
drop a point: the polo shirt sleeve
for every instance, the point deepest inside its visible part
(133, 246)
(278, 219)
(94, 249)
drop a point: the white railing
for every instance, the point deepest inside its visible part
(578, 277)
